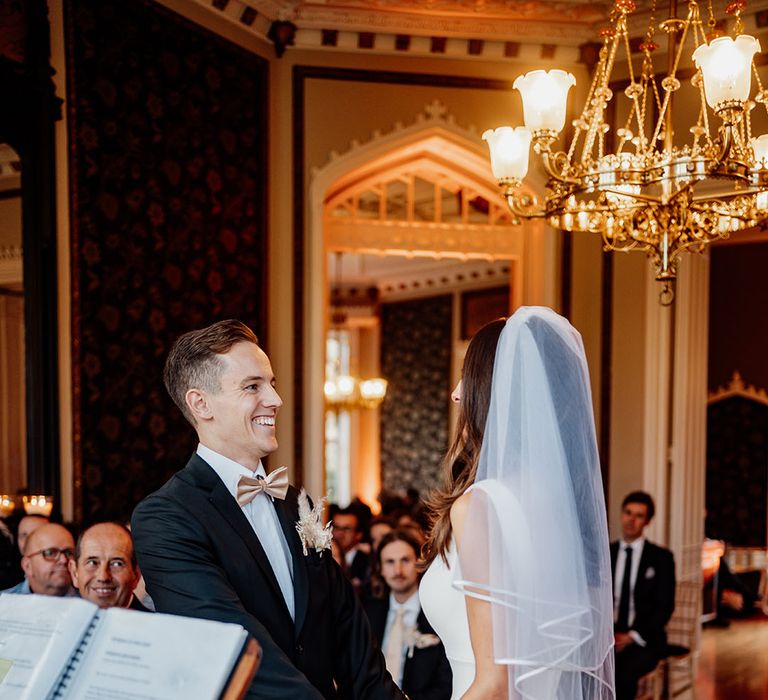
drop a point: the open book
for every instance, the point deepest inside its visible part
(66, 648)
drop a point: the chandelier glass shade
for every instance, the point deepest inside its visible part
(648, 192)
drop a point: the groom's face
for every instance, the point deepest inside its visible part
(243, 411)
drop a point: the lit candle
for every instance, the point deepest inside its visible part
(38, 505)
(7, 506)
(760, 149)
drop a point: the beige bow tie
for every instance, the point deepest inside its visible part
(275, 485)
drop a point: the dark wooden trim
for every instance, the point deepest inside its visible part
(566, 273)
(606, 337)
(74, 268)
(28, 126)
(300, 75)
(606, 373)
(10, 194)
(8, 292)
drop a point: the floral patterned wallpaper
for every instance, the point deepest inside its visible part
(167, 131)
(737, 471)
(416, 360)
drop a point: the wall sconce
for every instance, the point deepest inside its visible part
(7, 506)
(38, 505)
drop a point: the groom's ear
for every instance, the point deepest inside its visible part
(197, 403)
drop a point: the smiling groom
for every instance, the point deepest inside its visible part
(219, 540)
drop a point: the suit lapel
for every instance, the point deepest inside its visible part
(231, 512)
(645, 562)
(287, 515)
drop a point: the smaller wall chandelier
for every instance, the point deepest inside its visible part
(345, 392)
(650, 194)
(342, 391)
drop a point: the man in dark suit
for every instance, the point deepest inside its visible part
(415, 656)
(348, 534)
(644, 595)
(104, 568)
(219, 540)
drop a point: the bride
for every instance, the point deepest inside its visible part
(518, 585)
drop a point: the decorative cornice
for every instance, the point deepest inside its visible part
(737, 387)
(545, 30)
(434, 113)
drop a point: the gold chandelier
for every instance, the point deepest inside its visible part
(650, 194)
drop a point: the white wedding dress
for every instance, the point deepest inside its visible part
(446, 611)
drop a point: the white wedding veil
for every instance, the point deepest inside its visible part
(535, 540)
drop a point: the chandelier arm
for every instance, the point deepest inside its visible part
(725, 148)
(632, 244)
(699, 244)
(547, 160)
(518, 207)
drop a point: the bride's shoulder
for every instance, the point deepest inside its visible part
(460, 507)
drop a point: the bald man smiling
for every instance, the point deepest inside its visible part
(46, 554)
(104, 568)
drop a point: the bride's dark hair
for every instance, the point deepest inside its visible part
(460, 462)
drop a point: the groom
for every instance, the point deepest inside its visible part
(211, 546)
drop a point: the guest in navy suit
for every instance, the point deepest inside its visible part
(644, 595)
(219, 540)
(414, 655)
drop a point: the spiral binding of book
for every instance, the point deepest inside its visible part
(62, 685)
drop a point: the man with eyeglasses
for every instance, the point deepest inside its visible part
(47, 552)
(104, 568)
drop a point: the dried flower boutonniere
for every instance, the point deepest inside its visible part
(419, 640)
(312, 533)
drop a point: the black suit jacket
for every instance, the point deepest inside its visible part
(654, 594)
(427, 674)
(200, 557)
(136, 604)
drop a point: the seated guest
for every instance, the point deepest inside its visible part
(377, 529)
(415, 656)
(348, 534)
(27, 525)
(10, 559)
(644, 595)
(44, 562)
(104, 569)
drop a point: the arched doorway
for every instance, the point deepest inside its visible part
(422, 192)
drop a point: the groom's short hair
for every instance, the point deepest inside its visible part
(193, 361)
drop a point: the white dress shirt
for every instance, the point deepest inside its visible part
(261, 515)
(411, 608)
(621, 558)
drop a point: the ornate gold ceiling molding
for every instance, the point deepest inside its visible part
(737, 387)
(543, 30)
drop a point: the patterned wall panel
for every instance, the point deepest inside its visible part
(167, 129)
(737, 471)
(416, 360)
